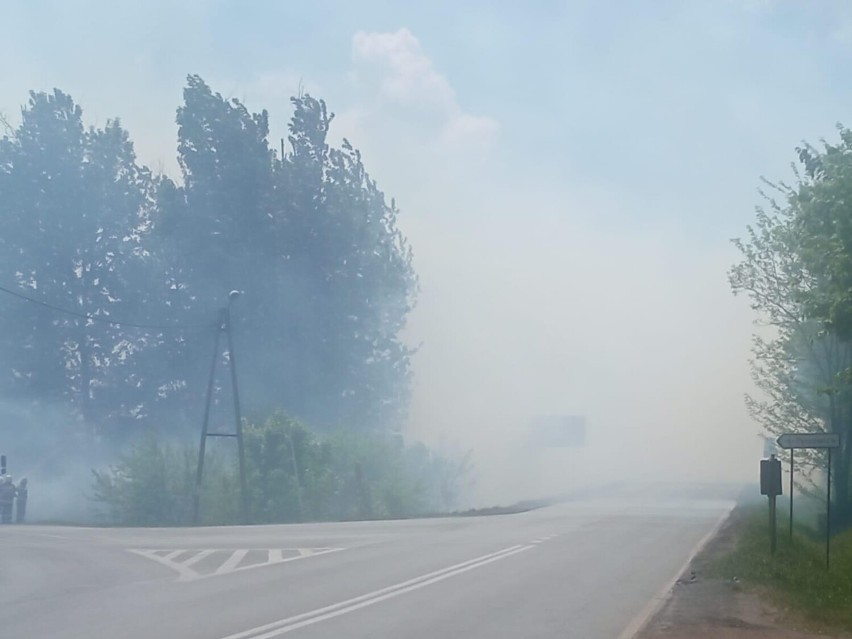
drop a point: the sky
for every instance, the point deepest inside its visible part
(570, 175)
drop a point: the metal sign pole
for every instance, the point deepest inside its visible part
(827, 441)
(828, 514)
(770, 485)
(792, 466)
(772, 528)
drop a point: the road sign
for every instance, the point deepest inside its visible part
(770, 477)
(770, 485)
(809, 440)
(558, 431)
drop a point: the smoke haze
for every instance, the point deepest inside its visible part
(569, 178)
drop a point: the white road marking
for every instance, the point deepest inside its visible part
(198, 557)
(317, 552)
(289, 624)
(185, 573)
(638, 623)
(232, 562)
(275, 556)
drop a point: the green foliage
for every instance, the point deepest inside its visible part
(796, 268)
(74, 204)
(307, 236)
(822, 202)
(796, 576)
(311, 242)
(292, 475)
(153, 485)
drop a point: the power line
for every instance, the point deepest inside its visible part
(101, 318)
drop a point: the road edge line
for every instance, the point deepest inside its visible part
(656, 603)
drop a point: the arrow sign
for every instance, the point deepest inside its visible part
(809, 440)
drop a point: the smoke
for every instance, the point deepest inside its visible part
(546, 293)
(569, 202)
(56, 453)
(540, 313)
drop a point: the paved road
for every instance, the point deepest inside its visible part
(583, 569)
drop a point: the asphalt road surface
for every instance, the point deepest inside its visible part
(589, 568)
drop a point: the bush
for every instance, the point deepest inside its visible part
(153, 485)
(292, 475)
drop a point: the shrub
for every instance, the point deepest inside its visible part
(292, 475)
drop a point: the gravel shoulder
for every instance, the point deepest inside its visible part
(705, 607)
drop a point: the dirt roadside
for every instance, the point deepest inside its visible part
(702, 607)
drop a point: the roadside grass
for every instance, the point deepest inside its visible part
(796, 579)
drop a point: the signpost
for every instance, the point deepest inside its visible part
(809, 440)
(548, 442)
(770, 485)
(558, 431)
(828, 441)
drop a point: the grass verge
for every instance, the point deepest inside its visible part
(796, 579)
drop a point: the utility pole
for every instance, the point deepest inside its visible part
(223, 326)
(296, 476)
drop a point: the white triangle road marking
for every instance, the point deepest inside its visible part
(232, 562)
(168, 557)
(184, 572)
(197, 557)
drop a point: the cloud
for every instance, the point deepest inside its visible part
(402, 77)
